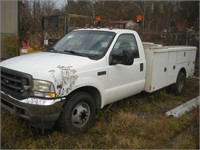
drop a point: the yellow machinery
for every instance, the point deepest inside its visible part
(26, 49)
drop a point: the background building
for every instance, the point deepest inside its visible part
(9, 28)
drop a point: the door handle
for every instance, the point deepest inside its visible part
(141, 66)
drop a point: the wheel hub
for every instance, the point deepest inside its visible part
(80, 114)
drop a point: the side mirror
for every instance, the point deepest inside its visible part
(128, 57)
(125, 58)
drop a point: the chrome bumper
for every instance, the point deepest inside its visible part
(40, 112)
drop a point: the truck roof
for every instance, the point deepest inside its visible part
(109, 30)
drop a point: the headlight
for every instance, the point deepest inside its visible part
(43, 89)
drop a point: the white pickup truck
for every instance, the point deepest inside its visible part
(86, 70)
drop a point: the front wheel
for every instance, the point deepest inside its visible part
(180, 83)
(78, 114)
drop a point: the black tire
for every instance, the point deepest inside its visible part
(180, 83)
(78, 113)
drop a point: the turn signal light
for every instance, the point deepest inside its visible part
(52, 95)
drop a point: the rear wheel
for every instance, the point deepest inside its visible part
(180, 83)
(78, 114)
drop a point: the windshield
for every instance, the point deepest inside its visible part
(92, 44)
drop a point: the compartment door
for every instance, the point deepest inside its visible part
(172, 68)
(159, 71)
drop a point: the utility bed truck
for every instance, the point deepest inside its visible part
(86, 70)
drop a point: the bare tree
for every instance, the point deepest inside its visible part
(38, 9)
(48, 7)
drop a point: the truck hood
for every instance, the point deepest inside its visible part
(39, 64)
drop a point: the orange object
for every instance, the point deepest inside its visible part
(52, 95)
(98, 18)
(139, 18)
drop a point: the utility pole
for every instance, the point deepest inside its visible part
(34, 15)
(66, 22)
(93, 8)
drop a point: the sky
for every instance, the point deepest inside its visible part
(60, 3)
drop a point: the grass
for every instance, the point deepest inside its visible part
(135, 122)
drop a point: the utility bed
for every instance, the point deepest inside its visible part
(164, 63)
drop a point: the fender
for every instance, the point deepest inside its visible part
(91, 82)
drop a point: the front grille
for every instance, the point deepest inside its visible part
(16, 84)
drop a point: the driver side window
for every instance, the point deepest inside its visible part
(126, 42)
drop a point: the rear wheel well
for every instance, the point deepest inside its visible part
(93, 92)
(183, 71)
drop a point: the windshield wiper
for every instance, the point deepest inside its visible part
(74, 53)
(51, 49)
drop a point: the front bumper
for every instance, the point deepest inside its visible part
(41, 113)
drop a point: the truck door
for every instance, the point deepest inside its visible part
(126, 80)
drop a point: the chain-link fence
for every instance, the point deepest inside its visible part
(170, 38)
(56, 26)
